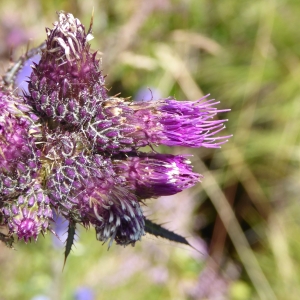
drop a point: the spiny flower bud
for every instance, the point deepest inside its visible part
(29, 214)
(87, 189)
(119, 218)
(67, 85)
(76, 181)
(124, 126)
(155, 175)
(19, 156)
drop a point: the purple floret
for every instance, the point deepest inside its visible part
(191, 124)
(155, 175)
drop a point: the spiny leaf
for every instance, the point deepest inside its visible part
(70, 239)
(158, 230)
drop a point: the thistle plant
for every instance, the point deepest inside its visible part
(67, 146)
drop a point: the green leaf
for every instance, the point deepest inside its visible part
(160, 231)
(70, 239)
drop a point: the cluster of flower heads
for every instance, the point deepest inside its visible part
(66, 145)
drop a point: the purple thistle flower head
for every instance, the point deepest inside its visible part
(19, 155)
(65, 145)
(154, 175)
(86, 189)
(29, 214)
(124, 126)
(67, 84)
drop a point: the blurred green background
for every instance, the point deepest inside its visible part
(244, 217)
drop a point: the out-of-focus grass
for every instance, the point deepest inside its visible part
(247, 55)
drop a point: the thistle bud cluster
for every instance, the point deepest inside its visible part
(66, 145)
